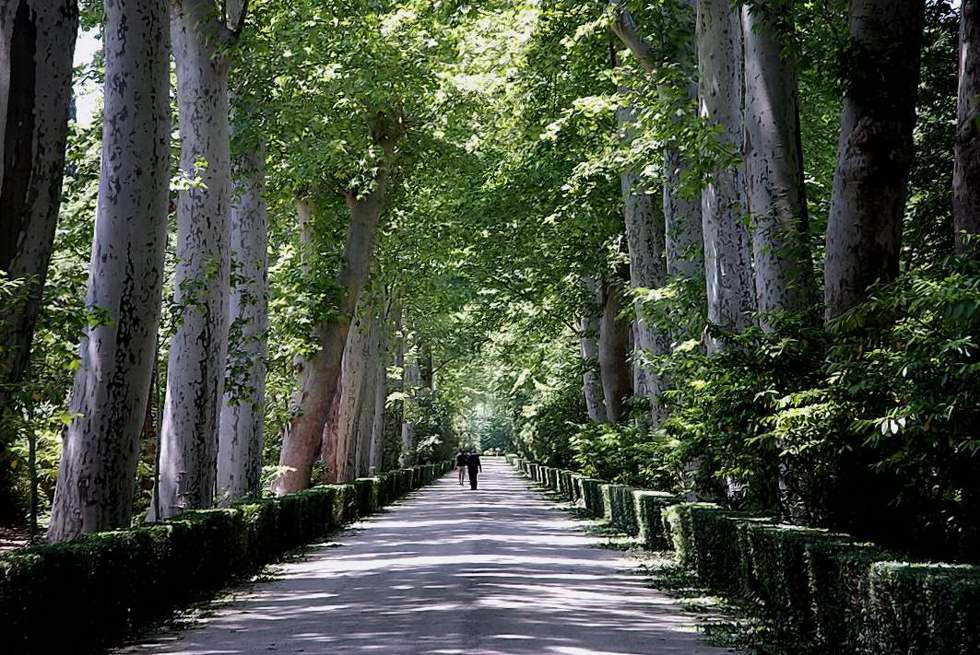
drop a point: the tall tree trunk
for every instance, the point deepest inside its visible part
(589, 343)
(648, 270)
(966, 175)
(101, 447)
(376, 455)
(727, 253)
(411, 383)
(320, 376)
(614, 365)
(774, 170)
(198, 349)
(241, 430)
(875, 150)
(364, 425)
(682, 216)
(37, 42)
(341, 428)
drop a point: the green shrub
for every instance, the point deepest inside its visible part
(618, 508)
(923, 609)
(575, 483)
(592, 495)
(776, 571)
(367, 495)
(706, 538)
(566, 486)
(648, 506)
(837, 574)
(102, 586)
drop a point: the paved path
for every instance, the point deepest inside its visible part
(497, 571)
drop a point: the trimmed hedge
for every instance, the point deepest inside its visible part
(618, 508)
(922, 609)
(822, 588)
(100, 587)
(648, 506)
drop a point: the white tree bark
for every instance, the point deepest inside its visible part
(589, 342)
(411, 383)
(875, 150)
(682, 216)
(303, 437)
(101, 447)
(645, 236)
(966, 174)
(198, 349)
(376, 454)
(774, 172)
(342, 425)
(614, 366)
(727, 253)
(37, 41)
(241, 431)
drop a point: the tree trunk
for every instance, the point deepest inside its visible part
(198, 349)
(727, 254)
(37, 42)
(874, 152)
(241, 430)
(411, 383)
(589, 342)
(682, 216)
(966, 175)
(375, 461)
(774, 171)
(614, 365)
(341, 428)
(320, 376)
(648, 270)
(366, 413)
(98, 466)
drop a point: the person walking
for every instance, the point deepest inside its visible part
(461, 458)
(473, 467)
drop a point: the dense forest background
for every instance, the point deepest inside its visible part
(708, 250)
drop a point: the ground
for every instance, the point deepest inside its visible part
(501, 570)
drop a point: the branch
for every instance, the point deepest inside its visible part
(624, 27)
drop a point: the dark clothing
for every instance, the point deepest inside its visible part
(473, 467)
(461, 459)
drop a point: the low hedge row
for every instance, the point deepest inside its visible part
(824, 588)
(100, 587)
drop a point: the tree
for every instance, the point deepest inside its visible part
(875, 150)
(966, 177)
(241, 431)
(199, 347)
(774, 165)
(589, 345)
(101, 446)
(727, 253)
(614, 367)
(37, 42)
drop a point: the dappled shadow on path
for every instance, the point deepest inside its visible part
(495, 571)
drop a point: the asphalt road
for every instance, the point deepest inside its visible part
(501, 570)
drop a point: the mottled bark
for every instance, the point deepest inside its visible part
(341, 427)
(614, 364)
(411, 384)
(589, 343)
(101, 447)
(198, 348)
(682, 216)
(727, 250)
(875, 150)
(966, 173)
(37, 41)
(321, 375)
(643, 216)
(364, 423)
(241, 431)
(774, 170)
(376, 454)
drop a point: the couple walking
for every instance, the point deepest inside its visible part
(468, 464)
